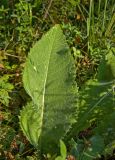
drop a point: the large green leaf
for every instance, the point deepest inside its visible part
(49, 79)
(96, 98)
(95, 101)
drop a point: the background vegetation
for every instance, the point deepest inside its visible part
(89, 29)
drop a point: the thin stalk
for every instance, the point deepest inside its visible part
(84, 8)
(92, 18)
(11, 55)
(26, 152)
(99, 7)
(88, 28)
(82, 12)
(47, 10)
(90, 8)
(30, 14)
(89, 25)
(104, 16)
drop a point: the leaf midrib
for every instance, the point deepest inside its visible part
(42, 116)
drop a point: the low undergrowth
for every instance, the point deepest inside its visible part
(88, 131)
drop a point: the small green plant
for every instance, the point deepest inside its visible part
(56, 108)
(63, 151)
(5, 89)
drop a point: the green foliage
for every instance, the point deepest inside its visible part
(96, 106)
(89, 29)
(74, 2)
(95, 147)
(49, 117)
(7, 135)
(88, 149)
(97, 95)
(5, 88)
(98, 23)
(94, 97)
(107, 67)
(63, 151)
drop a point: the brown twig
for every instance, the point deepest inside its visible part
(11, 55)
(47, 10)
(51, 18)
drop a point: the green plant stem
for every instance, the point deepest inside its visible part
(99, 7)
(104, 16)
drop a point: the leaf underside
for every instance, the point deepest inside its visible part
(49, 79)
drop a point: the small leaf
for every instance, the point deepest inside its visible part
(59, 158)
(63, 149)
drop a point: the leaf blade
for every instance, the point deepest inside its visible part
(49, 79)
